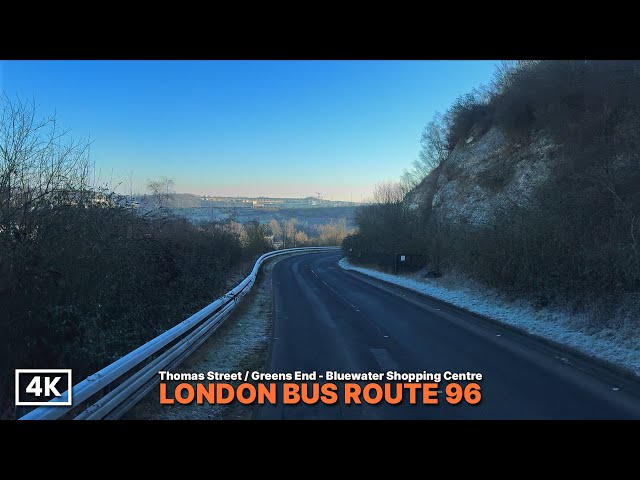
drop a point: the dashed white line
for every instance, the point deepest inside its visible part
(334, 290)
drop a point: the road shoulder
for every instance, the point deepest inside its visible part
(621, 358)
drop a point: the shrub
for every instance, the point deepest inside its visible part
(466, 112)
(95, 282)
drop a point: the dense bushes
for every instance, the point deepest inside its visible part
(577, 102)
(385, 228)
(93, 282)
(85, 278)
(466, 112)
(579, 236)
(256, 238)
(578, 247)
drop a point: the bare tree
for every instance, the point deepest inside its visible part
(301, 238)
(289, 232)
(333, 233)
(236, 229)
(256, 241)
(129, 174)
(40, 165)
(433, 150)
(388, 192)
(276, 231)
(161, 191)
(433, 143)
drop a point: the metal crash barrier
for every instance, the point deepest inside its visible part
(112, 391)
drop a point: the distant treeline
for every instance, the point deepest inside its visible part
(190, 200)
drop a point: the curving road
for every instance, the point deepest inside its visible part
(328, 319)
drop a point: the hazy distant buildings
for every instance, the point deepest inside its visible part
(188, 200)
(270, 203)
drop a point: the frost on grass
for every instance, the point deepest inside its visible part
(240, 344)
(621, 346)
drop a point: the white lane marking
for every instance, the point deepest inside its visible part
(498, 335)
(384, 359)
(615, 389)
(334, 290)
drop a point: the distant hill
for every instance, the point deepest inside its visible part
(190, 200)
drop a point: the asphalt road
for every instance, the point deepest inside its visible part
(327, 319)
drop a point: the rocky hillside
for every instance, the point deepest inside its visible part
(484, 175)
(537, 191)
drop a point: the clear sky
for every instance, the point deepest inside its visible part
(251, 128)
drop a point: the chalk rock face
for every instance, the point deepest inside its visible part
(484, 174)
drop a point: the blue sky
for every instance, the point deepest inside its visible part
(275, 128)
